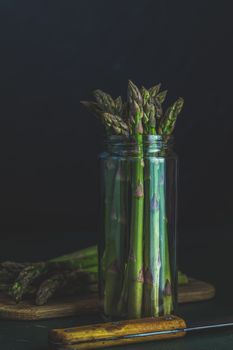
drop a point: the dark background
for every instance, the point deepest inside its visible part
(53, 54)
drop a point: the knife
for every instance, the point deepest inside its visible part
(126, 332)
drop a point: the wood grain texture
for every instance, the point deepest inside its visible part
(112, 333)
(82, 305)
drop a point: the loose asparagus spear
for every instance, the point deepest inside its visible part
(182, 278)
(79, 255)
(10, 269)
(62, 280)
(25, 279)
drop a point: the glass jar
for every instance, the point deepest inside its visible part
(137, 247)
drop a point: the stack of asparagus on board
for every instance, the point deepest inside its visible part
(74, 273)
(140, 283)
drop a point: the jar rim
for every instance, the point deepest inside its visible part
(147, 139)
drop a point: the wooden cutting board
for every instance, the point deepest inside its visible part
(83, 305)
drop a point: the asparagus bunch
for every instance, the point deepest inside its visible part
(146, 283)
(58, 280)
(119, 118)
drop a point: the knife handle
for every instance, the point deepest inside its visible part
(113, 333)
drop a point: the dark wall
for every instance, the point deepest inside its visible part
(53, 54)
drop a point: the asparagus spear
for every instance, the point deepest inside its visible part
(168, 121)
(165, 275)
(25, 278)
(154, 90)
(105, 101)
(10, 269)
(155, 263)
(149, 121)
(120, 290)
(151, 246)
(135, 261)
(113, 123)
(150, 127)
(158, 110)
(123, 246)
(182, 278)
(108, 171)
(87, 255)
(132, 288)
(118, 106)
(146, 109)
(63, 280)
(115, 243)
(161, 96)
(146, 231)
(148, 220)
